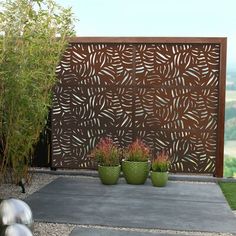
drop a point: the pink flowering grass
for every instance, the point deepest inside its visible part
(107, 153)
(161, 162)
(137, 151)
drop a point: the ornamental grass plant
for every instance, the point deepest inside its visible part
(33, 36)
(160, 166)
(136, 165)
(107, 153)
(161, 162)
(137, 151)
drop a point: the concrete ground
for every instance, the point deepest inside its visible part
(180, 206)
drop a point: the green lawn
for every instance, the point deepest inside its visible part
(229, 190)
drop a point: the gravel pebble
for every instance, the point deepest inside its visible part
(14, 191)
(38, 181)
(43, 229)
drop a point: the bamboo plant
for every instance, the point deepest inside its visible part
(33, 36)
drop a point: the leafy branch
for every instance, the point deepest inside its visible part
(33, 36)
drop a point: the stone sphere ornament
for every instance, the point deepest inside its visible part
(15, 211)
(17, 230)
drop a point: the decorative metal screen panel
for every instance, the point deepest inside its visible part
(167, 94)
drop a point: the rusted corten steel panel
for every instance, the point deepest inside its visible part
(167, 91)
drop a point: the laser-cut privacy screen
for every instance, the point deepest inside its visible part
(166, 93)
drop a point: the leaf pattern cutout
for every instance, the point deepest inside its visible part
(163, 93)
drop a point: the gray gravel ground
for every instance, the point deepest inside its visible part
(39, 180)
(43, 229)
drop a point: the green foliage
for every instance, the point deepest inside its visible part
(230, 129)
(33, 37)
(229, 190)
(160, 163)
(107, 153)
(160, 167)
(230, 110)
(229, 167)
(230, 121)
(137, 151)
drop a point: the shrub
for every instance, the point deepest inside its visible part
(107, 153)
(33, 36)
(161, 162)
(230, 167)
(137, 151)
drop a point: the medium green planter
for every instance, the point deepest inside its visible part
(159, 179)
(135, 172)
(109, 174)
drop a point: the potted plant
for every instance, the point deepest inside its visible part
(159, 169)
(107, 154)
(135, 166)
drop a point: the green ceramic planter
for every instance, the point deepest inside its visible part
(109, 174)
(159, 179)
(135, 172)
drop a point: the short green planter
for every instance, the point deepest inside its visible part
(159, 179)
(109, 175)
(135, 172)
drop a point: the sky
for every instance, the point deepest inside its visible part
(158, 18)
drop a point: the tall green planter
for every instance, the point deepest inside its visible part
(109, 174)
(159, 179)
(135, 172)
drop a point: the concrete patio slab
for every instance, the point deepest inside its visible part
(180, 206)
